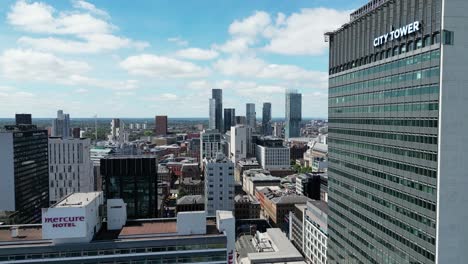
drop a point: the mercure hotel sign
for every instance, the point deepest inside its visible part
(59, 222)
(397, 33)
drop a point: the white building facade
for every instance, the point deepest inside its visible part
(273, 158)
(315, 233)
(240, 140)
(210, 144)
(70, 167)
(219, 185)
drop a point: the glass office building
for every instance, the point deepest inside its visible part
(134, 179)
(293, 114)
(397, 104)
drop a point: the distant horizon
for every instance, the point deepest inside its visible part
(71, 118)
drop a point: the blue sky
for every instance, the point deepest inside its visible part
(145, 58)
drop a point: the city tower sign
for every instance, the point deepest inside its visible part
(397, 33)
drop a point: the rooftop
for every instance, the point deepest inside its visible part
(191, 199)
(77, 199)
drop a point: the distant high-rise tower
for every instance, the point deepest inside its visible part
(212, 120)
(293, 114)
(266, 119)
(160, 123)
(61, 125)
(23, 119)
(241, 120)
(251, 116)
(24, 176)
(229, 118)
(217, 95)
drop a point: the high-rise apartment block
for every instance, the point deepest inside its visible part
(70, 167)
(251, 115)
(293, 114)
(133, 179)
(266, 119)
(397, 139)
(229, 118)
(160, 125)
(210, 144)
(24, 176)
(61, 125)
(219, 184)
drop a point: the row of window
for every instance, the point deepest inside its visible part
(385, 243)
(391, 164)
(386, 135)
(414, 107)
(426, 188)
(422, 235)
(419, 43)
(387, 231)
(398, 151)
(386, 122)
(366, 97)
(385, 81)
(403, 196)
(408, 61)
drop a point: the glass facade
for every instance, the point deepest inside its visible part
(293, 114)
(133, 179)
(31, 175)
(383, 136)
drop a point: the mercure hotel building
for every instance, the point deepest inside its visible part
(398, 134)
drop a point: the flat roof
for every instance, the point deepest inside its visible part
(77, 200)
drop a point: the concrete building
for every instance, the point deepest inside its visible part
(219, 184)
(316, 157)
(271, 246)
(71, 232)
(24, 177)
(61, 125)
(70, 167)
(160, 125)
(293, 114)
(316, 232)
(309, 184)
(190, 203)
(229, 118)
(254, 178)
(246, 207)
(278, 130)
(396, 100)
(241, 120)
(240, 140)
(243, 165)
(212, 113)
(133, 179)
(190, 186)
(251, 116)
(96, 154)
(210, 144)
(272, 155)
(267, 129)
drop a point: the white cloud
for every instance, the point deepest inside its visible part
(90, 7)
(29, 65)
(251, 26)
(197, 54)
(253, 67)
(93, 34)
(92, 43)
(178, 41)
(81, 91)
(162, 67)
(302, 33)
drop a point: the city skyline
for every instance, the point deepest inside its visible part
(118, 64)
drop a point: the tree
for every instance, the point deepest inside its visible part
(148, 133)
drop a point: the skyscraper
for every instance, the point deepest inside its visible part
(229, 118)
(217, 95)
(134, 179)
(212, 114)
(240, 139)
(61, 125)
(251, 116)
(24, 177)
(397, 145)
(266, 119)
(293, 114)
(160, 125)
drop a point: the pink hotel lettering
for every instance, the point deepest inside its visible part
(68, 221)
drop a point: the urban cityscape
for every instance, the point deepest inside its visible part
(317, 133)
